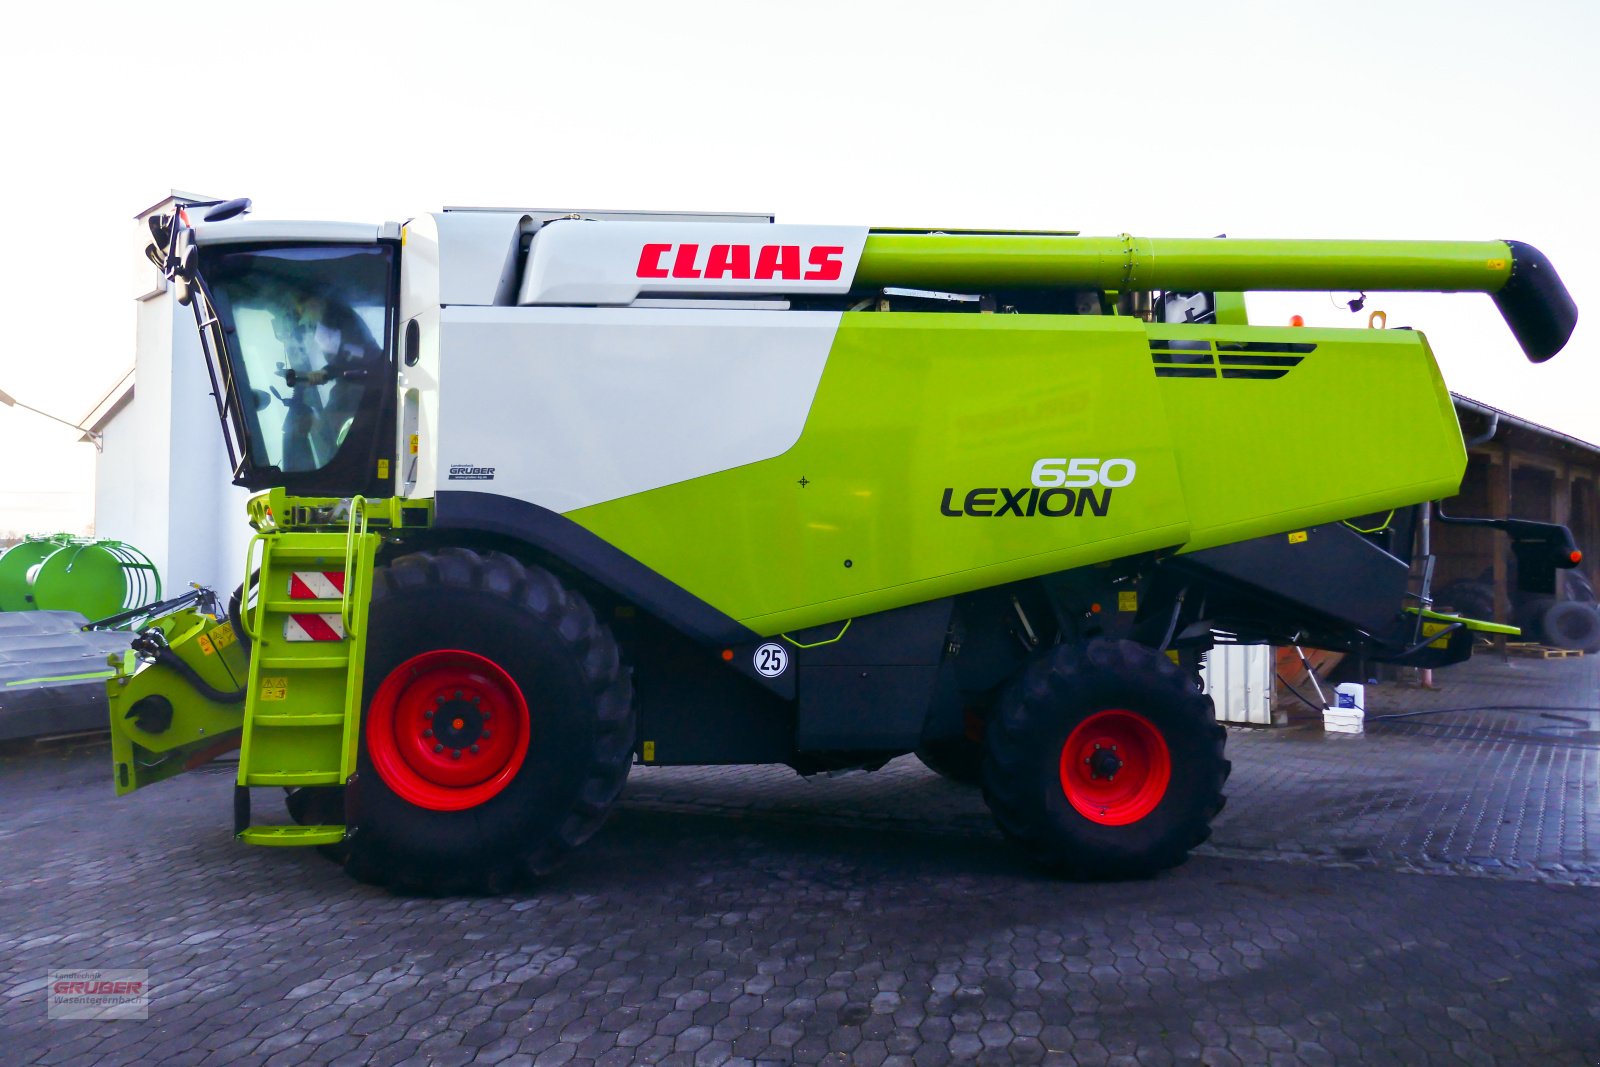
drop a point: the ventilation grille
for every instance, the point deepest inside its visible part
(1260, 360)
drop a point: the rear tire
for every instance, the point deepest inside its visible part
(1569, 624)
(1475, 600)
(516, 641)
(956, 759)
(1105, 761)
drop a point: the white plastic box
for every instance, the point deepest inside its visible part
(1349, 712)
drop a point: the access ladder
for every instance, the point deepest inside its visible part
(307, 628)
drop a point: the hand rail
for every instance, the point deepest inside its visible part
(352, 557)
(244, 590)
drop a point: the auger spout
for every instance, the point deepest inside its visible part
(1525, 287)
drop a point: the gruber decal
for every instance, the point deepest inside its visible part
(816, 263)
(1027, 502)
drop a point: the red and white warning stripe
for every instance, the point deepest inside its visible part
(313, 627)
(316, 585)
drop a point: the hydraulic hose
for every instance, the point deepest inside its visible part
(158, 650)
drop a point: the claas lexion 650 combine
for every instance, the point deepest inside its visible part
(545, 494)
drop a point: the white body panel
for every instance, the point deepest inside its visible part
(570, 407)
(243, 231)
(614, 263)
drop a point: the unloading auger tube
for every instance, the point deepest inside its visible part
(1525, 287)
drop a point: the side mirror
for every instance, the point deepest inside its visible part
(227, 209)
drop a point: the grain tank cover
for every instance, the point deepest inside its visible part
(576, 261)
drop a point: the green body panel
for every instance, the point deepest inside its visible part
(1364, 423)
(1439, 619)
(200, 728)
(988, 261)
(911, 405)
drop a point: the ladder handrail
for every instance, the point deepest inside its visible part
(244, 590)
(352, 559)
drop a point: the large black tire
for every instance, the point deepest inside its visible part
(1569, 624)
(960, 759)
(1574, 586)
(1530, 617)
(1026, 745)
(1475, 600)
(581, 723)
(956, 758)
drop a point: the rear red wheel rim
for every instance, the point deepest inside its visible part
(1115, 767)
(448, 730)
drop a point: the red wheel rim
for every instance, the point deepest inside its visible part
(1115, 768)
(447, 730)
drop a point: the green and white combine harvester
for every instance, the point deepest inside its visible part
(545, 494)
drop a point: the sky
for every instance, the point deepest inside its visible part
(1462, 120)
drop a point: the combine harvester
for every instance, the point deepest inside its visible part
(547, 493)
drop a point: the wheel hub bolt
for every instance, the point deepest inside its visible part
(1104, 764)
(455, 753)
(438, 748)
(428, 714)
(474, 750)
(427, 733)
(486, 735)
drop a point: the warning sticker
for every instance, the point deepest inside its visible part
(275, 688)
(205, 645)
(223, 636)
(1298, 537)
(1128, 600)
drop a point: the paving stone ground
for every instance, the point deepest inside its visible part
(1426, 893)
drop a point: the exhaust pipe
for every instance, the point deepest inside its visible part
(1525, 287)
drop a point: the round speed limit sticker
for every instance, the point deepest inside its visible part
(770, 660)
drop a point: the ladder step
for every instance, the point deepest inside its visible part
(328, 547)
(280, 836)
(305, 607)
(255, 778)
(305, 663)
(317, 718)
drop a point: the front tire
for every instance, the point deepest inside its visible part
(498, 730)
(1105, 761)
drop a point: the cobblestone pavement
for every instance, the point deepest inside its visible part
(749, 916)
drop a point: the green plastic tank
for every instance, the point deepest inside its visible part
(95, 576)
(15, 564)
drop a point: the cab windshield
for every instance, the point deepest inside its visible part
(306, 332)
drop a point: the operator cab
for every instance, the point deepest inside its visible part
(299, 322)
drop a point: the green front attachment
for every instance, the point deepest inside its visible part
(16, 569)
(160, 724)
(308, 634)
